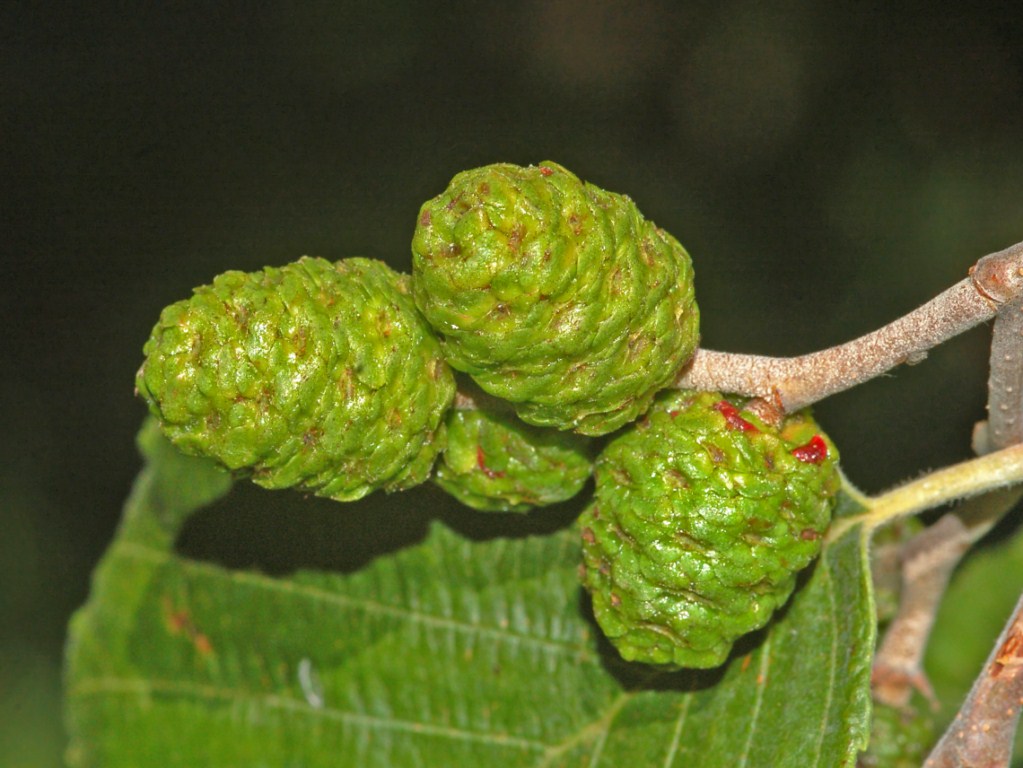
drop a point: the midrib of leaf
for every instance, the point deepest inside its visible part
(196, 691)
(596, 730)
(603, 726)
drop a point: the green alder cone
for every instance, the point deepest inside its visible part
(319, 376)
(554, 294)
(494, 462)
(702, 518)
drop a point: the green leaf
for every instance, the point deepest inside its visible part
(450, 651)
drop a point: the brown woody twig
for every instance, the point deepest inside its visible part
(927, 563)
(795, 382)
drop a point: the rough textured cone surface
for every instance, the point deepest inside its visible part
(701, 520)
(554, 294)
(495, 462)
(316, 375)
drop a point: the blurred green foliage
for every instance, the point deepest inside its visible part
(828, 165)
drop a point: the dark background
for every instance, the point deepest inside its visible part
(828, 165)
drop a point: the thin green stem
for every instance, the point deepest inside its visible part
(969, 478)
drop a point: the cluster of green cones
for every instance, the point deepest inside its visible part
(542, 314)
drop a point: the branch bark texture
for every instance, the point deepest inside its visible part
(795, 382)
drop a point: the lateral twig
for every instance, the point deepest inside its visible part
(927, 562)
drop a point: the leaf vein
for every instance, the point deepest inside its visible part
(127, 686)
(599, 727)
(676, 738)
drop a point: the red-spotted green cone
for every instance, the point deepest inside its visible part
(495, 462)
(702, 518)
